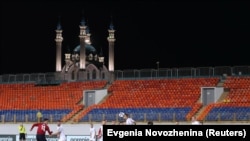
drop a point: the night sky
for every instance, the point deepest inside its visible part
(175, 33)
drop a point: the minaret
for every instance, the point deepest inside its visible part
(82, 37)
(67, 54)
(67, 59)
(111, 40)
(87, 37)
(101, 57)
(59, 40)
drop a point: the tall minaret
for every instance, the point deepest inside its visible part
(59, 40)
(87, 37)
(111, 40)
(82, 37)
(67, 59)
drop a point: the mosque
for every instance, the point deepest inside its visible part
(84, 63)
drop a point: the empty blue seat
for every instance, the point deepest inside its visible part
(140, 114)
(229, 114)
(21, 114)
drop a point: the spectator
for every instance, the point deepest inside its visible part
(22, 132)
(39, 116)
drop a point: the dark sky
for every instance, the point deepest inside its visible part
(175, 33)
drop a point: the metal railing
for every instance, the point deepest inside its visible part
(139, 117)
(14, 118)
(183, 72)
(55, 77)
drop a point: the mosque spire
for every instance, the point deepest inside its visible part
(87, 38)
(59, 27)
(82, 37)
(101, 57)
(111, 40)
(111, 25)
(87, 30)
(67, 54)
(58, 40)
(83, 22)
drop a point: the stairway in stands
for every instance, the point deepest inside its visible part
(80, 110)
(204, 110)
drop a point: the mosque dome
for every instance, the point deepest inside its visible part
(89, 48)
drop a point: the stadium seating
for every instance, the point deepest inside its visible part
(138, 114)
(30, 115)
(22, 101)
(236, 106)
(165, 97)
(175, 99)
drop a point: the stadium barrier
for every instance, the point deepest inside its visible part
(54, 78)
(140, 117)
(12, 137)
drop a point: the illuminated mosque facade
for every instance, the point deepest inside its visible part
(84, 63)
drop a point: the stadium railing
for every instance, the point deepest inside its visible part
(55, 78)
(140, 117)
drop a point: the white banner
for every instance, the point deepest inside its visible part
(7, 137)
(77, 138)
(33, 138)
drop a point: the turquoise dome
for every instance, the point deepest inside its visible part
(89, 48)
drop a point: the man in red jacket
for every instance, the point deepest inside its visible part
(41, 130)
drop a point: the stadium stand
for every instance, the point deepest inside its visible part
(154, 98)
(159, 99)
(235, 106)
(20, 102)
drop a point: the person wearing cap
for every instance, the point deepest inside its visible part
(42, 128)
(60, 131)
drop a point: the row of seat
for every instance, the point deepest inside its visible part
(229, 113)
(235, 106)
(138, 114)
(30, 115)
(157, 93)
(139, 95)
(30, 96)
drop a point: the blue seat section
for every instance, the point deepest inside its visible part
(229, 114)
(21, 115)
(138, 114)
